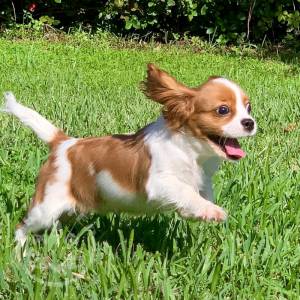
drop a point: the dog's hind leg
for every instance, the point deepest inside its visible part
(43, 215)
(53, 196)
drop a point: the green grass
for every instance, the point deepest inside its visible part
(92, 89)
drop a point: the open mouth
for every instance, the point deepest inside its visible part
(229, 146)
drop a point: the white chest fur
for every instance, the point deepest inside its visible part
(178, 161)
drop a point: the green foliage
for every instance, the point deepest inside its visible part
(37, 24)
(220, 21)
(216, 20)
(91, 90)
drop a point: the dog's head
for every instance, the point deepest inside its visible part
(218, 111)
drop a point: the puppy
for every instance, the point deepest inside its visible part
(167, 165)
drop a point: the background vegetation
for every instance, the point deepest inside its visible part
(88, 85)
(220, 21)
(90, 88)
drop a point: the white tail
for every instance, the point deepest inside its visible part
(42, 127)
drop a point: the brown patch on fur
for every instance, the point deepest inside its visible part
(245, 99)
(47, 171)
(194, 109)
(59, 137)
(205, 120)
(20, 225)
(173, 95)
(46, 176)
(125, 157)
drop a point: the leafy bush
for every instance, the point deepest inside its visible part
(218, 20)
(221, 21)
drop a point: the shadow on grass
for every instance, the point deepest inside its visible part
(165, 234)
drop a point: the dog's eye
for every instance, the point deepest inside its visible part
(223, 110)
(248, 108)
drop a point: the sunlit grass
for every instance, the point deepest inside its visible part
(93, 90)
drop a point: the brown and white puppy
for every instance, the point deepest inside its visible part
(167, 165)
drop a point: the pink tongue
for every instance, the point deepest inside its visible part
(233, 148)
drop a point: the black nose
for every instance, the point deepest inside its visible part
(248, 124)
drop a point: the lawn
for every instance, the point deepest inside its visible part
(92, 89)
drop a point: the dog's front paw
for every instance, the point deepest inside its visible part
(212, 212)
(207, 211)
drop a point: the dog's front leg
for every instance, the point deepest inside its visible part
(186, 200)
(196, 207)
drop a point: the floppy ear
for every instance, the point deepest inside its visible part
(161, 87)
(173, 95)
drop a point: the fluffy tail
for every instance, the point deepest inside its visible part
(46, 131)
